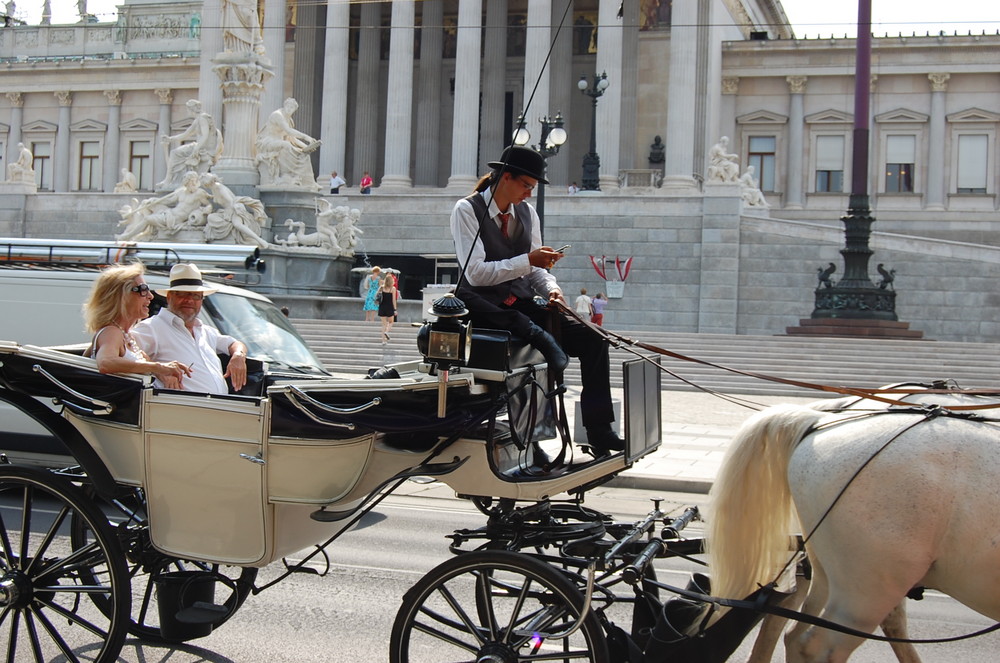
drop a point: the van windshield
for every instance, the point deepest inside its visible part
(266, 332)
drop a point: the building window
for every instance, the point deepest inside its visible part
(138, 163)
(761, 151)
(90, 166)
(42, 165)
(973, 152)
(830, 164)
(900, 154)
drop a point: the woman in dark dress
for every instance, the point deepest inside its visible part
(387, 305)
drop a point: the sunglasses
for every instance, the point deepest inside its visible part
(142, 289)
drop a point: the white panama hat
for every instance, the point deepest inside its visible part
(186, 278)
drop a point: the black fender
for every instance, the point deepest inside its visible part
(78, 446)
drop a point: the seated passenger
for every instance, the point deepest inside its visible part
(177, 333)
(118, 299)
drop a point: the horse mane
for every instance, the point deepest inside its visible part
(751, 506)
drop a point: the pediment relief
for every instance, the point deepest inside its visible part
(139, 124)
(181, 125)
(974, 115)
(830, 116)
(762, 117)
(89, 125)
(39, 126)
(901, 115)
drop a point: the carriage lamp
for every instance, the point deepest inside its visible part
(445, 342)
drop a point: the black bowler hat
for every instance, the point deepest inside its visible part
(521, 161)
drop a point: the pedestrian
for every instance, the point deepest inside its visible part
(336, 181)
(366, 184)
(600, 301)
(572, 188)
(370, 288)
(504, 264)
(583, 305)
(387, 305)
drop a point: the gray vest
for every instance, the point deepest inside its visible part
(498, 247)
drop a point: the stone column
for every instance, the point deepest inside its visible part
(399, 97)
(535, 103)
(609, 106)
(494, 136)
(333, 118)
(680, 134)
(112, 142)
(159, 155)
(727, 103)
(428, 161)
(629, 107)
(796, 125)
(61, 158)
(935, 156)
(14, 136)
(274, 47)
(209, 90)
(243, 80)
(308, 67)
(366, 93)
(465, 130)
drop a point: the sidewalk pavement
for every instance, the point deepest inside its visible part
(697, 428)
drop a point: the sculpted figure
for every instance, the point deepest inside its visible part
(283, 151)
(22, 170)
(201, 151)
(128, 182)
(153, 218)
(347, 229)
(238, 216)
(241, 31)
(752, 195)
(722, 166)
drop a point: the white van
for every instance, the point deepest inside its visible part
(42, 305)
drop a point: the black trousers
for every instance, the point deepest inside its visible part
(576, 340)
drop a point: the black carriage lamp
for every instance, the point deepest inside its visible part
(553, 137)
(591, 180)
(445, 342)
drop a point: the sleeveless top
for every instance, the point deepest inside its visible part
(498, 247)
(129, 353)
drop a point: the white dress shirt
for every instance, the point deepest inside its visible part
(164, 337)
(479, 272)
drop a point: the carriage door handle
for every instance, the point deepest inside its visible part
(258, 459)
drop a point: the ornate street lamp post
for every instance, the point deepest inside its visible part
(591, 180)
(552, 138)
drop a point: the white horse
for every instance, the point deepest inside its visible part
(916, 492)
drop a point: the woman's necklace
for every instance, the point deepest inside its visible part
(129, 341)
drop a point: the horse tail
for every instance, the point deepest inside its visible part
(751, 505)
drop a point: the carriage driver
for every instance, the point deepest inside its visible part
(176, 332)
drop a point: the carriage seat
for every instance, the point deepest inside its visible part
(499, 350)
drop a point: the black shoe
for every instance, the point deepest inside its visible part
(603, 441)
(542, 341)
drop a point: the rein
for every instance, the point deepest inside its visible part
(875, 394)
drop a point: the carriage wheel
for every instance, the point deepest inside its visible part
(57, 601)
(495, 606)
(145, 565)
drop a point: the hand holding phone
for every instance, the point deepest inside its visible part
(562, 249)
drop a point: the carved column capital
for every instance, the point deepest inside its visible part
(165, 95)
(797, 84)
(65, 97)
(114, 97)
(730, 84)
(16, 99)
(939, 81)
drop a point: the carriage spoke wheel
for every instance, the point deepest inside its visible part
(127, 515)
(495, 607)
(58, 602)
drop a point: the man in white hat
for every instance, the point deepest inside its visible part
(177, 332)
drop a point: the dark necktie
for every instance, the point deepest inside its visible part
(504, 220)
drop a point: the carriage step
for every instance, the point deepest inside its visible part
(202, 613)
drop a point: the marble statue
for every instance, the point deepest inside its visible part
(128, 183)
(722, 166)
(336, 230)
(347, 229)
(239, 217)
(283, 151)
(752, 195)
(22, 171)
(241, 32)
(185, 207)
(46, 13)
(201, 151)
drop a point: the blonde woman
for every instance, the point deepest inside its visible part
(118, 299)
(387, 305)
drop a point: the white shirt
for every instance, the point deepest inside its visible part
(164, 337)
(337, 182)
(479, 272)
(583, 304)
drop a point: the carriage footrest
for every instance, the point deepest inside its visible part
(202, 613)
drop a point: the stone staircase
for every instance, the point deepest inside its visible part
(352, 347)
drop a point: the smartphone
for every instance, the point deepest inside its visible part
(562, 249)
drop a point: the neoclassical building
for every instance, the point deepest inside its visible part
(423, 95)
